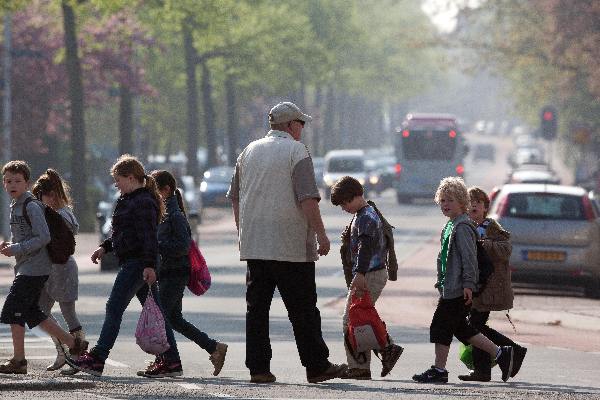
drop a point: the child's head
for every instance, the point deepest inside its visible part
(345, 192)
(167, 186)
(129, 174)
(479, 204)
(52, 190)
(15, 178)
(452, 196)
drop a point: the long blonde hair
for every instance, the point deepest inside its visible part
(128, 165)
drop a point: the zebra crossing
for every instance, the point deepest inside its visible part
(34, 339)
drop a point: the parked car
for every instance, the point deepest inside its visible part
(214, 186)
(555, 233)
(339, 163)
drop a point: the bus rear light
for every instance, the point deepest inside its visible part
(452, 134)
(460, 169)
(405, 133)
(398, 170)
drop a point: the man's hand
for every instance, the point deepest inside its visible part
(96, 255)
(359, 284)
(324, 244)
(6, 250)
(468, 296)
(149, 275)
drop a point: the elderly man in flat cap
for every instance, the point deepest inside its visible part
(281, 234)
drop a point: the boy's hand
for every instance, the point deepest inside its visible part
(324, 244)
(468, 296)
(7, 251)
(96, 255)
(359, 284)
(149, 275)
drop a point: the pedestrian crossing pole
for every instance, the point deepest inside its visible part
(6, 121)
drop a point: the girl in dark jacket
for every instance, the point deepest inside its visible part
(174, 240)
(133, 239)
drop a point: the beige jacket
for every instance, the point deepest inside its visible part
(497, 294)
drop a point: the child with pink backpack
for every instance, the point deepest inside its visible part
(174, 245)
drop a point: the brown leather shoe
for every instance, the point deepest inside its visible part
(475, 376)
(217, 358)
(356, 373)
(13, 366)
(331, 372)
(267, 377)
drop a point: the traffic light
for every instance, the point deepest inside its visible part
(549, 125)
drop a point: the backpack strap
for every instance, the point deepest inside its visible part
(25, 204)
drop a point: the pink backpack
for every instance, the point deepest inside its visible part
(150, 333)
(199, 281)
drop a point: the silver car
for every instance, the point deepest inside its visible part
(555, 233)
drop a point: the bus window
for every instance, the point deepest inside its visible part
(428, 145)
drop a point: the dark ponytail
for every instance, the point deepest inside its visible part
(166, 179)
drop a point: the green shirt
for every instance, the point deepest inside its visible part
(444, 258)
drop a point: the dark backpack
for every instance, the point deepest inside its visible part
(62, 240)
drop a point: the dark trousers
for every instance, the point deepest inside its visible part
(128, 283)
(296, 284)
(482, 360)
(171, 288)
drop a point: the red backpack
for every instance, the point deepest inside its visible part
(199, 281)
(366, 330)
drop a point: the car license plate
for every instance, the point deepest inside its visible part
(537, 255)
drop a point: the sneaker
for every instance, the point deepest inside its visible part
(150, 366)
(13, 366)
(505, 361)
(165, 369)
(87, 363)
(267, 377)
(331, 372)
(432, 375)
(79, 348)
(475, 376)
(519, 356)
(217, 358)
(389, 355)
(356, 373)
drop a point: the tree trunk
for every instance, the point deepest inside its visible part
(232, 119)
(329, 121)
(191, 55)
(77, 107)
(209, 117)
(316, 125)
(125, 121)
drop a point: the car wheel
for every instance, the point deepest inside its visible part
(592, 290)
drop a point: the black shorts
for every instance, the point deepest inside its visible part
(21, 305)
(450, 319)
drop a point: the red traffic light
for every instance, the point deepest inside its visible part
(548, 116)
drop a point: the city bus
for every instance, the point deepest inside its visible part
(429, 147)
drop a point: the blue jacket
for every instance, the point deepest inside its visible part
(134, 225)
(174, 240)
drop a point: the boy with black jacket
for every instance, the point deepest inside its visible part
(457, 279)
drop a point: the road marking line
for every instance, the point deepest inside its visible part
(557, 348)
(189, 386)
(114, 363)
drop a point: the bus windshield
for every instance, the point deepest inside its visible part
(428, 145)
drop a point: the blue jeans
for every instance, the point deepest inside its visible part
(171, 288)
(128, 283)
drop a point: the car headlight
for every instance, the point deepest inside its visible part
(374, 179)
(203, 186)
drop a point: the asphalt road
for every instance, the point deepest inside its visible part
(562, 332)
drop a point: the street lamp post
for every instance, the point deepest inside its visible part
(7, 120)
